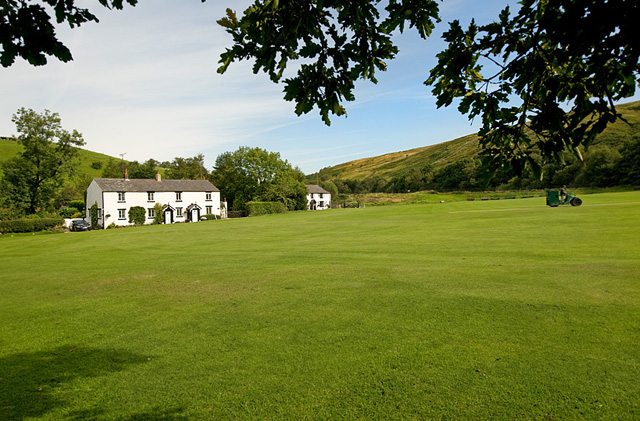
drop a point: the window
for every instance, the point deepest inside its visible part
(178, 196)
(122, 214)
(150, 196)
(311, 195)
(120, 196)
(209, 210)
(151, 213)
(179, 212)
(320, 195)
(322, 204)
(208, 196)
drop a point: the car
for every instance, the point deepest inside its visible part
(79, 225)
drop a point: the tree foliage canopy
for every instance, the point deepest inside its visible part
(32, 178)
(335, 43)
(256, 174)
(187, 168)
(26, 30)
(543, 79)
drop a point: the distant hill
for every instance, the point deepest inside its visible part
(90, 163)
(439, 156)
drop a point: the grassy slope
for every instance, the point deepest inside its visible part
(9, 148)
(390, 165)
(468, 310)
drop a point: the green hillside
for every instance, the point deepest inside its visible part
(90, 163)
(439, 156)
(88, 159)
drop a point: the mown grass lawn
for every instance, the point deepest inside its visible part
(467, 310)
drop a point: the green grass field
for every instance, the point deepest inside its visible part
(468, 310)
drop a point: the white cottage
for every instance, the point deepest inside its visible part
(317, 197)
(182, 200)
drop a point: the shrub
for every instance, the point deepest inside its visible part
(67, 212)
(93, 212)
(264, 208)
(96, 165)
(159, 212)
(209, 217)
(236, 214)
(137, 215)
(77, 204)
(29, 224)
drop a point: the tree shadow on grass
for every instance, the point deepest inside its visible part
(157, 414)
(28, 381)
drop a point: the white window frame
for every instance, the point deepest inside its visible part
(179, 213)
(178, 196)
(121, 197)
(207, 196)
(122, 214)
(150, 196)
(151, 213)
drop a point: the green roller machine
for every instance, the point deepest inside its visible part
(554, 200)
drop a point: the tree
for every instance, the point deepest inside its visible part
(543, 80)
(33, 177)
(187, 168)
(147, 169)
(336, 43)
(114, 168)
(288, 187)
(26, 29)
(256, 174)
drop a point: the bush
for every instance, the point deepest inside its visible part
(209, 217)
(236, 214)
(77, 204)
(159, 212)
(264, 208)
(67, 212)
(96, 165)
(29, 225)
(93, 212)
(137, 215)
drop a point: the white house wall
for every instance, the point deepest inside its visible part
(94, 195)
(326, 198)
(112, 205)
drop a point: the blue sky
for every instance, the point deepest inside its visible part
(144, 82)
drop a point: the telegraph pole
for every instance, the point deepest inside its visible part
(122, 158)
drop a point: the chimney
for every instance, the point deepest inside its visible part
(126, 174)
(158, 176)
(203, 177)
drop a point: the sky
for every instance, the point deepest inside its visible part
(143, 83)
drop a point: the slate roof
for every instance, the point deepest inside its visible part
(151, 185)
(314, 188)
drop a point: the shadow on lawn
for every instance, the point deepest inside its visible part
(28, 381)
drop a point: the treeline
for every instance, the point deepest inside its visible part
(180, 168)
(602, 166)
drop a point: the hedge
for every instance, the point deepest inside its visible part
(209, 217)
(29, 225)
(264, 208)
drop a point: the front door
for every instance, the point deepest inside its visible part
(168, 216)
